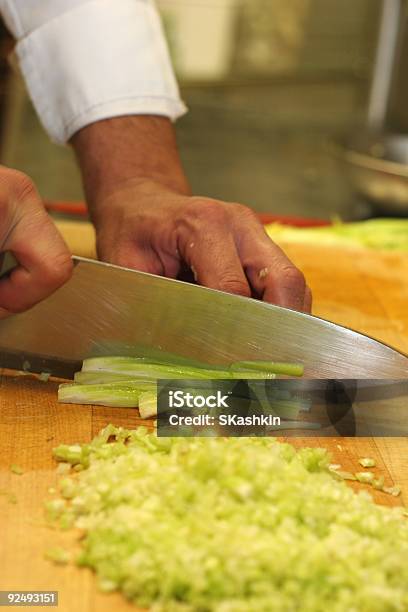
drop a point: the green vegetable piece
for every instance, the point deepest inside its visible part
(120, 381)
(100, 377)
(367, 462)
(365, 477)
(269, 367)
(343, 475)
(382, 234)
(16, 469)
(136, 368)
(118, 394)
(378, 483)
(63, 468)
(148, 405)
(67, 488)
(394, 490)
(58, 555)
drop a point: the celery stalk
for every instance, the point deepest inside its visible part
(142, 369)
(271, 367)
(251, 374)
(101, 377)
(120, 394)
(119, 381)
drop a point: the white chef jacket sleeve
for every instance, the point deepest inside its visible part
(86, 60)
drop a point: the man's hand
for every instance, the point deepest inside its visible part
(145, 217)
(146, 226)
(27, 231)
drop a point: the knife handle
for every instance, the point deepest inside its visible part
(7, 263)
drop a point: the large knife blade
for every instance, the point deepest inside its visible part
(105, 309)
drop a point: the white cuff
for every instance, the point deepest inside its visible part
(104, 58)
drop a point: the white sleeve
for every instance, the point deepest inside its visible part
(86, 60)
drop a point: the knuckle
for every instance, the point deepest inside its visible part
(232, 284)
(204, 209)
(292, 277)
(244, 212)
(21, 184)
(57, 270)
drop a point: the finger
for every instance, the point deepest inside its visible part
(307, 304)
(131, 253)
(44, 260)
(209, 249)
(271, 274)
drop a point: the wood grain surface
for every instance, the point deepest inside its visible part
(362, 289)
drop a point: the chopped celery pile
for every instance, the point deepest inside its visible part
(384, 234)
(229, 525)
(128, 381)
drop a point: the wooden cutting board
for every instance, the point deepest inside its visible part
(358, 288)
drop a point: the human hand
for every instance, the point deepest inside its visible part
(146, 226)
(27, 231)
(146, 218)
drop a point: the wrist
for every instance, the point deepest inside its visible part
(137, 150)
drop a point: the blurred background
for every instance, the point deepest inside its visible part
(270, 86)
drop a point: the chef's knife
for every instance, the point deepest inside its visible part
(105, 309)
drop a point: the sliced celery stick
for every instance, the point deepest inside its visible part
(289, 369)
(251, 374)
(100, 377)
(103, 363)
(155, 355)
(119, 394)
(109, 362)
(143, 369)
(148, 405)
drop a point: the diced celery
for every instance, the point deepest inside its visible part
(59, 555)
(378, 483)
(365, 477)
(343, 475)
(250, 525)
(16, 469)
(394, 490)
(367, 462)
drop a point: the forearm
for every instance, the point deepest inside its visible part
(137, 148)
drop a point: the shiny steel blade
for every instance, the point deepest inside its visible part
(105, 309)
